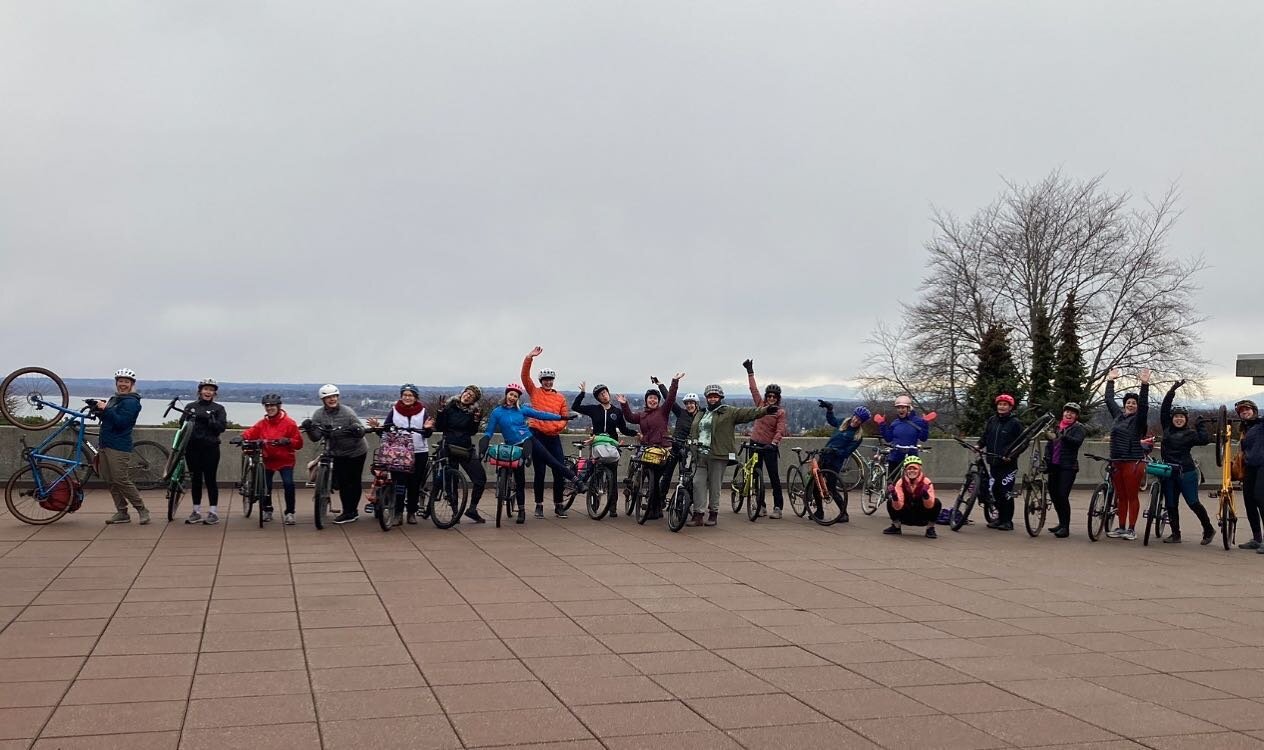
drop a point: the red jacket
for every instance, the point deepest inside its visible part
(769, 429)
(274, 428)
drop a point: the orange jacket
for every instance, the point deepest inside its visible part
(542, 400)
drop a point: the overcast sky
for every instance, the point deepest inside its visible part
(380, 192)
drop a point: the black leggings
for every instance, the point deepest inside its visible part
(1003, 475)
(202, 461)
(1060, 481)
(347, 480)
(768, 456)
(1253, 499)
(475, 471)
(411, 482)
(547, 452)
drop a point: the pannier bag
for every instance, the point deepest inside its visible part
(508, 456)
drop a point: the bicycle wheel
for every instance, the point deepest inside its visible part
(246, 489)
(873, 492)
(320, 498)
(755, 495)
(259, 481)
(175, 491)
(1228, 523)
(568, 495)
(965, 501)
(1098, 510)
(1222, 421)
(737, 494)
(827, 509)
(990, 511)
(447, 501)
(178, 446)
(1035, 507)
(1153, 515)
(148, 461)
(23, 390)
(795, 489)
(384, 506)
(66, 449)
(635, 492)
(600, 501)
(503, 497)
(641, 506)
(678, 509)
(23, 499)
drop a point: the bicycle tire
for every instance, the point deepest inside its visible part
(569, 493)
(678, 513)
(148, 460)
(737, 497)
(37, 382)
(1035, 508)
(66, 449)
(175, 491)
(17, 499)
(1153, 518)
(1222, 422)
(828, 510)
(455, 494)
(502, 495)
(1226, 521)
(796, 490)
(320, 498)
(596, 497)
(641, 507)
(384, 506)
(964, 503)
(1097, 511)
(755, 496)
(632, 497)
(178, 445)
(873, 493)
(852, 476)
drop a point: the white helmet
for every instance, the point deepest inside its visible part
(547, 373)
(126, 372)
(327, 390)
(208, 381)
(904, 401)
(691, 397)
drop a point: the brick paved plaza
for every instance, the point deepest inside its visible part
(575, 634)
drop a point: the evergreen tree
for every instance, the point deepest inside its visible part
(1043, 353)
(996, 374)
(1070, 380)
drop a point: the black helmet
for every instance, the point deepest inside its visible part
(272, 399)
(772, 389)
(597, 389)
(1180, 410)
(653, 392)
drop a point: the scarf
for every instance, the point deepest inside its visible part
(409, 411)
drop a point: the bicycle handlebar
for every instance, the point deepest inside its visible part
(391, 428)
(171, 406)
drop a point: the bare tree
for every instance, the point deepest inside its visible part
(1027, 251)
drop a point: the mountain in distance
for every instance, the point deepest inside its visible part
(837, 391)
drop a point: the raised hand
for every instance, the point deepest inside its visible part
(826, 405)
(749, 364)
(1179, 383)
(583, 386)
(879, 419)
(537, 351)
(678, 377)
(374, 422)
(1114, 373)
(622, 399)
(1145, 376)
(429, 423)
(654, 379)
(931, 416)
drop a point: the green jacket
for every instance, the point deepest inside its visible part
(725, 418)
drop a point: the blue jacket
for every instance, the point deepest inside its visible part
(1253, 443)
(512, 423)
(117, 420)
(910, 430)
(843, 442)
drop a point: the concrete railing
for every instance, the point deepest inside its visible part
(945, 463)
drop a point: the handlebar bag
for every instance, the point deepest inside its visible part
(395, 452)
(509, 456)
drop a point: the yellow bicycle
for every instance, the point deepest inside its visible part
(747, 487)
(1228, 518)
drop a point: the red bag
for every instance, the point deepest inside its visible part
(65, 495)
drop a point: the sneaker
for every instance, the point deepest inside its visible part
(776, 514)
(1006, 526)
(411, 519)
(713, 518)
(370, 509)
(843, 518)
(1130, 535)
(1253, 544)
(522, 513)
(1062, 533)
(893, 530)
(696, 519)
(267, 516)
(144, 516)
(120, 516)
(931, 533)
(473, 515)
(211, 519)
(539, 511)
(1208, 536)
(346, 518)
(1260, 551)
(559, 511)
(194, 517)
(994, 524)
(289, 519)
(1173, 539)
(1115, 533)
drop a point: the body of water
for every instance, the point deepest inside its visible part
(242, 413)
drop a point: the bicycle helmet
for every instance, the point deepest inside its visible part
(1180, 410)
(863, 413)
(327, 390)
(409, 388)
(597, 389)
(1005, 397)
(478, 392)
(515, 387)
(690, 397)
(272, 399)
(1246, 403)
(772, 389)
(911, 461)
(204, 382)
(126, 372)
(653, 392)
(546, 373)
(1131, 397)
(904, 401)
(1072, 406)
(713, 389)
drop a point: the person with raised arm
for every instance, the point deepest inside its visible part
(1127, 454)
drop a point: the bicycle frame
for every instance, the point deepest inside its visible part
(76, 420)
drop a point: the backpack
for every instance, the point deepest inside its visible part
(395, 452)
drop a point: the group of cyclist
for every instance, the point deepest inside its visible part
(708, 424)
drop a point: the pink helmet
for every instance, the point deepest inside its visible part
(515, 387)
(904, 401)
(1006, 398)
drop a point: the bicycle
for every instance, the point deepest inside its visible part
(680, 504)
(975, 488)
(58, 470)
(1036, 501)
(641, 479)
(748, 482)
(253, 483)
(176, 469)
(443, 488)
(1103, 507)
(1156, 513)
(506, 458)
(601, 492)
(1227, 518)
(322, 480)
(823, 491)
(388, 497)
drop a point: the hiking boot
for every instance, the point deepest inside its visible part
(119, 516)
(1173, 539)
(194, 517)
(1208, 536)
(144, 516)
(696, 519)
(893, 530)
(713, 518)
(539, 511)
(473, 515)
(411, 519)
(211, 519)
(776, 514)
(522, 513)
(931, 533)
(559, 511)
(346, 518)
(289, 519)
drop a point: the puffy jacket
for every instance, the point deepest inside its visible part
(772, 428)
(999, 435)
(458, 424)
(1253, 442)
(653, 422)
(1178, 443)
(118, 417)
(918, 491)
(511, 422)
(209, 422)
(684, 420)
(421, 441)
(910, 430)
(724, 419)
(348, 441)
(275, 428)
(605, 421)
(844, 441)
(1064, 450)
(1128, 429)
(549, 401)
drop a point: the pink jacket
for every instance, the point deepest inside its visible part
(769, 429)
